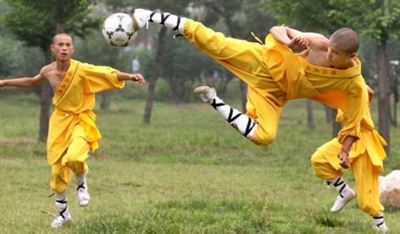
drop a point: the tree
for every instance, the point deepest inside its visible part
(36, 21)
(310, 115)
(8, 57)
(9, 54)
(185, 66)
(177, 7)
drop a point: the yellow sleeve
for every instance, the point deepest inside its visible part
(350, 98)
(286, 69)
(355, 111)
(100, 78)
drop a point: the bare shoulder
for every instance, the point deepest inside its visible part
(47, 69)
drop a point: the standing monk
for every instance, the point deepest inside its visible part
(72, 129)
(327, 71)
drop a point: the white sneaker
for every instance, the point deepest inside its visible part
(83, 196)
(348, 195)
(142, 17)
(205, 93)
(381, 228)
(60, 221)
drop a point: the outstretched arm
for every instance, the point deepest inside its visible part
(298, 40)
(23, 82)
(129, 76)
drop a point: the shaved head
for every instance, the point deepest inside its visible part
(346, 40)
(61, 35)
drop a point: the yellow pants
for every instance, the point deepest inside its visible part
(73, 161)
(326, 165)
(265, 98)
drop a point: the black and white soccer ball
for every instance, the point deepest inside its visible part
(119, 29)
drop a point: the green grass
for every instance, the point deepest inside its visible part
(186, 172)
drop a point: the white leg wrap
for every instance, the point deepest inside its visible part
(61, 203)
(170, 21)
(338, 183)
(379, 219)
(241, 122)
(81, 180)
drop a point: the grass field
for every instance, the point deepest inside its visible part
(187, 172)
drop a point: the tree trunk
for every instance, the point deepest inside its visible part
(223, 83)
(395, 97)
(154, 76)
(310, 115)
(106, 100)
(394, 121)
(328, 114)
(243, 95)
(383, 93)
(45, 97)
(335, 125)
(174, 90)
(45, 100)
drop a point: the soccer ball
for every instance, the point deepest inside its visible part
(118, 29)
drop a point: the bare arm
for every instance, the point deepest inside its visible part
(283, 34)
(23, 82)
(371, 93)
(129, 76)
(295, 39)
(344, 152)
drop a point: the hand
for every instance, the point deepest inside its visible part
(137, 77)
(344, 159)
(2, 83)
(298, 43)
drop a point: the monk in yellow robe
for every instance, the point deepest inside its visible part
(72, 129)
(327, 71)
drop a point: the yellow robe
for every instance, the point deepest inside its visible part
(342, 89)
(274, 75)
(73, 117)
